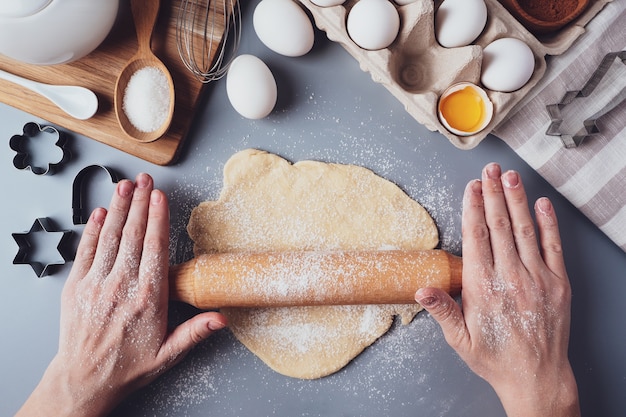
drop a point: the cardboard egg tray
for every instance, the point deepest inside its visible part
(416, 69)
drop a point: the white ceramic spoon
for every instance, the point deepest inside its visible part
(79, 102)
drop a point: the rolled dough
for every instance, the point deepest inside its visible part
(269, 204)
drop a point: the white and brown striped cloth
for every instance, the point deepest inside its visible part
(593, 175)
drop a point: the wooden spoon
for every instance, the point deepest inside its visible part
(144, 15)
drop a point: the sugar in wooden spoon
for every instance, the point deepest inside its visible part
(144, 91)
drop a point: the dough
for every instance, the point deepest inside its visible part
(269, 204)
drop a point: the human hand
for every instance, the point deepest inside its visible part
(114, 336)
(513, 326)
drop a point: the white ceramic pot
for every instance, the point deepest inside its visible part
(48, 32)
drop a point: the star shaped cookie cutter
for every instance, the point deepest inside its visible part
(27, 243)
(23, 158)
(590, 127)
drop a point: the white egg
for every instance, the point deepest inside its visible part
(508, 64)
(373, 24)
(251, 87)
(283, 27)
(459, 22)
(328, 3)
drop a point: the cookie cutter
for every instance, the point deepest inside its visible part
(80, 213)
(590, 127)
(26, 244)
(22, 159)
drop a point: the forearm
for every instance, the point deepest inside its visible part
(556, 396)
(56, 396)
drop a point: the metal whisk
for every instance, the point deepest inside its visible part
(208, 33)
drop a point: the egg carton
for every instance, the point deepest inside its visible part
(417, 70)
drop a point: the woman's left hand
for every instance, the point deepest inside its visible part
(114, 336)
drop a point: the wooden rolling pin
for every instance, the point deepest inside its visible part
(301, 278)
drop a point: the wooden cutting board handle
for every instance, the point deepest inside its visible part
(301, 278)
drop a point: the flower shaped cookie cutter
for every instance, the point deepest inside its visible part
(24, 159)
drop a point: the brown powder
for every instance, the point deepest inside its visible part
(549, 10)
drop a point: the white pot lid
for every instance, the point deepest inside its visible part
(21, 8)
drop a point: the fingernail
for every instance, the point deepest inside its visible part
(98, 215)
(476, 186)
(214, 325)
(125, 188)
(493, 171)
(143, 180)
(510, 179)
(426, 301)
(544, 206)
(156, 197)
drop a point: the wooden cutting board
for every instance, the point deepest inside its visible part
(98, 72)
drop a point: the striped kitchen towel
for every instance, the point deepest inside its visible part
(593, 175)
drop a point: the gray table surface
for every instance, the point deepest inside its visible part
(327, 110)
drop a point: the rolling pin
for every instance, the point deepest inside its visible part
(307, 278)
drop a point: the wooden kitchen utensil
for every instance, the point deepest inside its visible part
(145, 14)
(301, 278)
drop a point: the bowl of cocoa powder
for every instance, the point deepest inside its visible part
(545, 16)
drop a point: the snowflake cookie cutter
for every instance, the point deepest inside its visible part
(23, 157)
(590, 127)
(26, 242)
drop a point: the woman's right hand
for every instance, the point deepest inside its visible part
(513, 326)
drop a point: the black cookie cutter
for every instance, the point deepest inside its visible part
(22, 159)
(80, 213)
(26, 243)
(590, 128)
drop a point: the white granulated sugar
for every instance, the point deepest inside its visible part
(146, 100)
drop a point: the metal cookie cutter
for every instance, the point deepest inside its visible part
(590, 127)
(80, 213)
(27, 243)
(23, 158)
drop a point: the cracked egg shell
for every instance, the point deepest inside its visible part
(465, 109)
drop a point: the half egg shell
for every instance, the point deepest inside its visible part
(465, 109)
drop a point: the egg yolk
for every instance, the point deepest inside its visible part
(463, 110)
